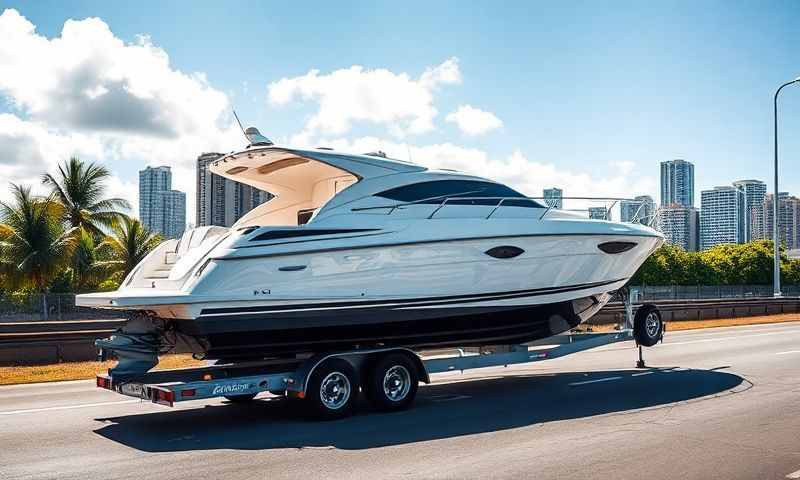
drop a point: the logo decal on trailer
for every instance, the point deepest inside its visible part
(233, 388)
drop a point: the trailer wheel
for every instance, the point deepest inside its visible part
(332, 390)
(648, 328)
(393, 382)
(240, 398)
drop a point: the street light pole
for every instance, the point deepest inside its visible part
(776, 282)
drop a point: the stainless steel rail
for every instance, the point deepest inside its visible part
(444, 200)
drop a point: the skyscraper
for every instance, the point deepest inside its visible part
(221, 201)
(554, 197)
(172, 205)
(788, 219)
(677, 183)
(679, 224)
(599, 213)
(642, 208)
(152, 180)
(161, 209)
(754, 192)
(721, 216)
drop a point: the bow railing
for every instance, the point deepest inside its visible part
(545, 204)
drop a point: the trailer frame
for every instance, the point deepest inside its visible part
(291, 376)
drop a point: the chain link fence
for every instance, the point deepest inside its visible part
(695, 292)
(47, 307)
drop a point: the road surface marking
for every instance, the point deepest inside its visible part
(729, 338)
(640, 374)
(794, 475)
(67, 407)
(787, 353)
(606, 379)
(448, 398)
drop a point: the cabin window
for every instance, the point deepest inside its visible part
(434, 191)
(304, 216)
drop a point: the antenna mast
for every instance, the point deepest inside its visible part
(240, 125)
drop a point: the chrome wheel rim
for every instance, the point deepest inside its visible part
(396, 383)
(652, 324)
(334, 391)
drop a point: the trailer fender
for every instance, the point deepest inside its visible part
(357, 358)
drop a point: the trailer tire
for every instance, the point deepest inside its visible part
(392, 382)
(247, 397)
(648, 328)
(332, 390)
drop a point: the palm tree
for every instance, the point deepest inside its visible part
(34, 245)
(80, 188)
(127, 245)
(87, 271)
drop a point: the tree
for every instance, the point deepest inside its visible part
(34, 245)
(127, 245)
(80, 188)
(87, 270)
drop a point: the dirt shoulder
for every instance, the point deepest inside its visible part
(79, 370)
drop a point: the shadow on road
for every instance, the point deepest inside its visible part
(441, 411)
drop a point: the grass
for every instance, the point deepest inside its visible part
(79, 370)
(85, 370)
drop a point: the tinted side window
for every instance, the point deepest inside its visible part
(447, 188)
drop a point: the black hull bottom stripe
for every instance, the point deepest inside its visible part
(470, 327)
(404, 303)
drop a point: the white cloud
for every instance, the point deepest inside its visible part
(395, 100)
(89, 93)
(89, 79)
(474, 121)
(28, 149)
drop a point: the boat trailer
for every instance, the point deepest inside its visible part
(329, 383)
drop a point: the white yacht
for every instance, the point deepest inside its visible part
(361, 250)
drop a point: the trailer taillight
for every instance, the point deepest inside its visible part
(103, 382)
(188, 392)
(164, 397)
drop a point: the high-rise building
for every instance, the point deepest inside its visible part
(754, 192)
(788, 219)
(677, 183)
(221, 201)
(641, 208)
(599, 213)
(172, 205)
(161, 209)
(152, 180)
(721, 216)
(679, 224)
(554, 197)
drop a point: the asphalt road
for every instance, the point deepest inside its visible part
(718, 403)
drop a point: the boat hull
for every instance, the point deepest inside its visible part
(254, 332)
(258, 302)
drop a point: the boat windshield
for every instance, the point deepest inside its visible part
(478, 192)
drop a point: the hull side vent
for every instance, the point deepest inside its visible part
(505, 251)
(616, 247)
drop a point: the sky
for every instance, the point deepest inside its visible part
(586, 96)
